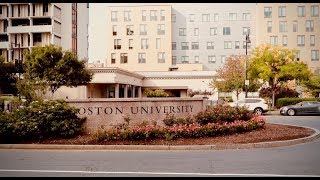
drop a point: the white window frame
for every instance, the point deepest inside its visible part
(227, 44)
(210, 45)
(213, 31)
(314, 55)
(144, 15)
(205, 17)
(153, 15)
(211, 59)
(144, 43)
(314, 11)
(161, 29)
(141, 58)
(196, 31)
(246, 16)
(267, 11)
(237, 45)
(162, 15)
(184, 45)
(282, 11)
(114, 16)
(284, 40)
(301, 11)
(232, 16)
(225, 30)
(127, 15)
(194, 45)
(191, 17)
(184, 59)
(143, 29)
(182, 31)
(300, 40)
(309, 25)
(161, 57)
(283, 26)
(312, 40)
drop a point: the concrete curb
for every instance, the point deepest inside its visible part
(271, 144)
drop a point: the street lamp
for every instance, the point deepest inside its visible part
(18, 62)
(245, 66)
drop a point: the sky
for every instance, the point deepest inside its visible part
(97, 26)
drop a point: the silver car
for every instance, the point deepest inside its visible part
(302, 108)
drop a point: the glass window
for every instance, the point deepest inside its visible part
(182, 31)
(123, 58)
(130, 30)
(174, 45)
(173, 17)
(301, 11)
(216, 17)
(283, 26)
(153, 15)
(144, 15)
(232, 16)
(213, 31)
(174, 60)
(191, 17)
(144, 43)
(184, 59)
(130, 43)
(246, 30)
(161, 30)
(127, 15)
(309, 25)
(237, 44)
(300, 40)
(196, 31)
(295, 26)
(268, 12)
(246, 17)
(117, 44)
(211, 59)
(269, 26)
(210, 45)
(162, 15)
(314, 55)
(114, 30)
(297, 55)
(205, 17)
(223, 59)
(196, 59)
(312, 40)
(226, 31)
(227, 45)
(195, 45)
(284, 40)
(114, 16)
(282, 11)
(161, 57)
(113, 58)
(143, 29)
(158, 43)
(142, 57)
(184, 45)
(314, 11)
(274, 40)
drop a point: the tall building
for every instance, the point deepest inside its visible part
(292, 25)
(26, 25)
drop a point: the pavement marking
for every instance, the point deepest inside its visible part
(149, 173)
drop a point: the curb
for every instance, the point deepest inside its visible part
(270, 144)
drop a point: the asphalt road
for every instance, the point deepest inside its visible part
(295, 160)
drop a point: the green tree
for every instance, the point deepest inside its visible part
(8, 78)
(313, 86)
(57, 68)
(231, 77)
(276, 65)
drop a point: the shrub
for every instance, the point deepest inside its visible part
(281, 92)
(290, 101)
(42, 119)
(191, 92)
(171, 120)
(155, 93)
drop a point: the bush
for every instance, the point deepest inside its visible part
(171, 120)
(290, 101)
(49, 119)
(281, 92)
(191, 92)
(155, 93)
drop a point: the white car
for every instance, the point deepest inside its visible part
(257, 105)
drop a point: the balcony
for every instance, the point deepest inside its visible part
(4, 45)
(27, 29)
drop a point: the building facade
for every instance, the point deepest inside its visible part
(26, 25)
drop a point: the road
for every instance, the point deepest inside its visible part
(296, 160)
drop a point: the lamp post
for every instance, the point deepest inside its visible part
(245, 66)
(18, 62)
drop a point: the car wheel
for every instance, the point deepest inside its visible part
(258, 111)
(291, 112)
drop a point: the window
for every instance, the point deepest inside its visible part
(45, 7)
(274, 40)
(162, 15)
(174, 60)
(246, 30)
(226, 31)
(205, 17)
(314, 55)
(301, 11)
(174, 45)
(283, 26)
(284, 40)
(282, 11)
(227, 45)
(113, 58)
(1, 13)
(114, 30)
(191, 17)
(300, 40)
(211, 59)
(195, 45)
(143, 29)
(114, 16)
(117, 44)
(237, 45)
(216, 17)
(213, 31)
(184, 59)
(309, 26)
(142, 57)
(158, 43)
(130, 43)
(196, 31)
(268, 12)
(129, 30)
(173, 17)
(312, 40)
(161, 58)
(144, 15)
(269, 26)
(161, 29)
(297, 55)
(144, 43)
(248, 45)
(123, 58)
(295, 26)
(184, 45)
(232, 16)
(182, 31)
(153, 15)
(196, 59)
(246, 17)
(223, 59)
(314, 11)
(210, 45)
(127, 15)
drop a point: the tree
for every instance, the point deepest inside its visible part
(49, 64)
(313, 86)
(276, 65)
(231, 77)
(8, 78)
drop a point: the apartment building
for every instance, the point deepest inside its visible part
(139, 37)
(26, 25)
(292, 25)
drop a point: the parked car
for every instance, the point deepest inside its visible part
(257, 105)
(301, 108)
